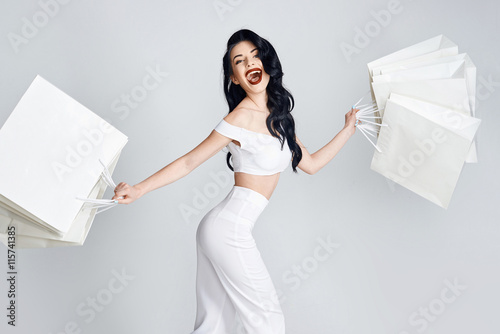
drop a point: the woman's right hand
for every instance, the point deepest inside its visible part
(125, 193)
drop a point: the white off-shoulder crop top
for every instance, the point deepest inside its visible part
(259, 154)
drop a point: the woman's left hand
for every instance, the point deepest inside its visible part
(350, 120)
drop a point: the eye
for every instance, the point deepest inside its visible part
(238, 61)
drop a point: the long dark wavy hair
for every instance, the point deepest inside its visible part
(280, 101)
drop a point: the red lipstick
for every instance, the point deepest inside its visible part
(254, 76)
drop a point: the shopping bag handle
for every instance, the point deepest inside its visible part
(94, 203)
(363, 122)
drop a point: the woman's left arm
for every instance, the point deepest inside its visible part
(312, 163)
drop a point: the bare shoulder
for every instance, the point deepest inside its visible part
(240, 117)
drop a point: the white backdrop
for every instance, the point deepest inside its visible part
(392, 262)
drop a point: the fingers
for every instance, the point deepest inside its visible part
(121, 185)
(121, 193)
(125, 200)
(352, 113)
(119, 197)
(351, 120)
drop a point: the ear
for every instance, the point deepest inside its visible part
(234, 80)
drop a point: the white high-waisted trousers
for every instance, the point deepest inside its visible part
(231, 275)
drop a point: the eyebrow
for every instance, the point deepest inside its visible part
(242, 55)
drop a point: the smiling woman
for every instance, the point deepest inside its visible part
(259, 131)
(253, 75)
(243, 55)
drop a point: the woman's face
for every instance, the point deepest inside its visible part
(248, 71)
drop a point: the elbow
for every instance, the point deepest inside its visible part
(307, 167)
(312, 168)
(309, 170)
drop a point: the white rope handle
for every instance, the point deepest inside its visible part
(364, 134)
(362, 116)
(369, 117)
(368, 131)
(361, 99)
(378, 124)
(367, 111)
(94, 203)
(107, 176)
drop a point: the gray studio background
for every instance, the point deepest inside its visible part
(391, 254)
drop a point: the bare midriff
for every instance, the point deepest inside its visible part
(263, 184)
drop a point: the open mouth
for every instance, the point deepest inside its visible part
(254, 76)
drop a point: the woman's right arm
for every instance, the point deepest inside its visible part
(312, 163)
(173, 171)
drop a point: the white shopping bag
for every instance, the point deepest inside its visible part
(438, 68)
(29, 235)
(50, 148)
(435, 58)
(424, 147)
(436, 47)
(439, 46)
(447, 70)
(450, 91)
(418, 61)
(431, 84)
(446, 92)
(470, 72)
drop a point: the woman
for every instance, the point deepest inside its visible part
(260, 134)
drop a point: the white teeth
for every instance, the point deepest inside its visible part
(250, 75)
